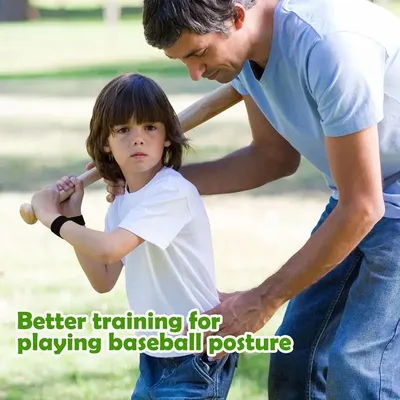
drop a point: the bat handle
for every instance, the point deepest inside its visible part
(28, 213)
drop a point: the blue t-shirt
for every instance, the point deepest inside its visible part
(333, 69)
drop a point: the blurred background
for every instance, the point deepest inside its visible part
(55, 56)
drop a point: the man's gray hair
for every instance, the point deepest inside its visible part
(164, 20)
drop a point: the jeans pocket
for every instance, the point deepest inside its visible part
(205, 368)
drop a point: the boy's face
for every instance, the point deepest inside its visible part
(138, 148)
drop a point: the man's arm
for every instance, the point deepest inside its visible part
(349, 91)
(269, 157)
(355, 165)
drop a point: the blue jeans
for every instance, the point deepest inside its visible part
(345, 327)
(186, 377)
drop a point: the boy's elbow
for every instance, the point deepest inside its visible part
(104, 283)
(110, 257)
(109, 253)
(102, 289)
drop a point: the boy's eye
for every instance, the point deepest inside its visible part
(150, 127)
(122, 130)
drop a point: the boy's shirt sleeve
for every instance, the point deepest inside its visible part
(160, 217)
(111, 221)
(107, 221)
(111, 218)
(345, 73)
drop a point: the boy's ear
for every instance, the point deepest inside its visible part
(107, 149)
(167, 143)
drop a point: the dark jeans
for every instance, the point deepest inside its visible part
(187, 377)
(345, 327)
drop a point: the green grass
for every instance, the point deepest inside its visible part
(29, 173)
(394, 6)
(62, 144)
(46, 48)
(76, 4)
(162, 68)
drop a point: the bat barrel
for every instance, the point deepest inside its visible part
(27, 213)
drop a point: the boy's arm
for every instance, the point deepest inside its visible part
(157, 221)
(101, 276)
(103, 247)
(92, 248)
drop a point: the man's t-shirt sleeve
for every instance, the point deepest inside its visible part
(238, 86)
(160, 216)
(345, 73)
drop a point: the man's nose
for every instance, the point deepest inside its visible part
(196, 70)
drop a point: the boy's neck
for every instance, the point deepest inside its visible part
(137, 180)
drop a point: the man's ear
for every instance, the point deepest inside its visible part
(239, 16)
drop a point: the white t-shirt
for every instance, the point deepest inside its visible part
(172, 271)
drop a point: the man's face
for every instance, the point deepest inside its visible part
(213, 56)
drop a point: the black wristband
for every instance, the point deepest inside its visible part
(78, 220)
(57, 224)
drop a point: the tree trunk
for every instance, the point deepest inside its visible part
(14, 10)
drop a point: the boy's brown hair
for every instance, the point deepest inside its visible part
(132, 96)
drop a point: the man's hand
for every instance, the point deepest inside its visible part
(225, 296)
(242, 312)
(113, 189)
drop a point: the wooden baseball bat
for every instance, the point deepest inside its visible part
(197, 113)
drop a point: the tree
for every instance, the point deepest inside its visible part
(14, 10)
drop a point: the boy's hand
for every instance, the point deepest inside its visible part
(47, 199)
(72, 207)
(46, 204)
(113, 189)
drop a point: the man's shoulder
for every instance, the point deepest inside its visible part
(324, 18)
(302, 27)
(321, 17)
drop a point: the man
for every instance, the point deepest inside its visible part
(319, 79)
